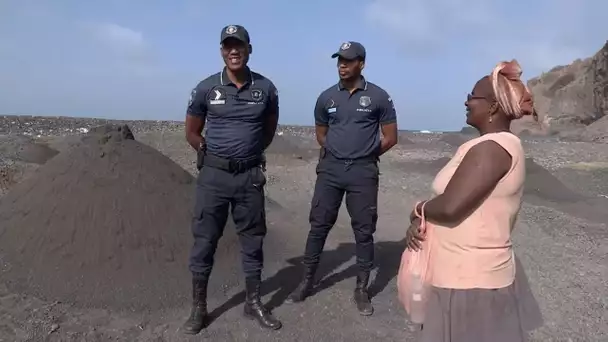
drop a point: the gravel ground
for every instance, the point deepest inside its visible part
(564, 253)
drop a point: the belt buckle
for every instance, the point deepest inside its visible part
(233, 165)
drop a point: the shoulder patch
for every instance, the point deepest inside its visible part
(192, 96)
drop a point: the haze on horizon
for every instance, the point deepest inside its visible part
(139, 60)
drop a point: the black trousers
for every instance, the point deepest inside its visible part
(358, 179)
(217, 191)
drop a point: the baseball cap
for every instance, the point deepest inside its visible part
(236, 32)
(350, 50)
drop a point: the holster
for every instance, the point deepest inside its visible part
(322, 153)
(200, 158)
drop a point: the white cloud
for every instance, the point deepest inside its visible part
(421, 21)
(120, 36)
(540, 34)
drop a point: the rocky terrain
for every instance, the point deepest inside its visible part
(561, 238)
(572, 100)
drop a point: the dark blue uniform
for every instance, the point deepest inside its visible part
(348, 165)
(232, 174)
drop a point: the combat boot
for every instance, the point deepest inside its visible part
(361, 295)
(304, 289)
(198, 314)
(254, 309)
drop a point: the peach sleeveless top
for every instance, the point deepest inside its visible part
(478, 252)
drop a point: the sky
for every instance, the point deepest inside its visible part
(137, 59)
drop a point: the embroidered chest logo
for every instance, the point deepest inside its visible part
(217, 97)
(365, 102)
(331, 106)
(257, 95)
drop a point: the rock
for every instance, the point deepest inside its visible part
(569, 98)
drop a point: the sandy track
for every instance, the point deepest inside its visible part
(564, 255)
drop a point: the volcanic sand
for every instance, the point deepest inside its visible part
(556, 249)
(25, 149)
(107, 224)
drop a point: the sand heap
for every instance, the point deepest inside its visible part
(106, 224)
(25, 149)
(542, 184)
(292, 147)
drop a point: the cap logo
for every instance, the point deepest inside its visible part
(345, 46)
(231, 29)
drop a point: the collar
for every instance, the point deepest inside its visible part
(224, 77)
(361, 84)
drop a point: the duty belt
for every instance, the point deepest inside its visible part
(325, 153)
(231, 165)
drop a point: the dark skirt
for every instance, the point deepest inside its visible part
(482, 315)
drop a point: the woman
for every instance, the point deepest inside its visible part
(477, 294)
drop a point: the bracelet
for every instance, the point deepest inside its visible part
(418, 211)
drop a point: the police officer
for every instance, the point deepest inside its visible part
(241, 110)
(348, 118)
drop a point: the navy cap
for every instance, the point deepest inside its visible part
(350, 50)
(236, 32)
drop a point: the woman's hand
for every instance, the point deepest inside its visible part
(413, 238)
(417, 208)
(413, 216)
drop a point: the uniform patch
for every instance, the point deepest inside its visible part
(231, 29)
(331, 110)
(217, 97)
(192, 96)
(257, 95)
(345, 46)
(365, 101)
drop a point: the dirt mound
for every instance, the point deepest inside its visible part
(544, 185)
(453, 139)
(543, 188)
(403, 139)
(291, 146)
(106, 224)
(25, 149)
(12, 173)
(468, 130)
(425, 167)
(540, 183)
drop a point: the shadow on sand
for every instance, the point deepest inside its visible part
(285, 281)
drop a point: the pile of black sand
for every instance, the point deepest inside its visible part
(425, 167)
(403, 139)
(292, 147)
(25, 149)
(544, 188)
(107, 224)
(453, 139)
(542, 184)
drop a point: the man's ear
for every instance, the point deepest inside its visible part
(362, 65)
(250, 49)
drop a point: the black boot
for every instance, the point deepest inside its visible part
(361, 295)
(196, 321)
(304, 288)
(254, 308)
